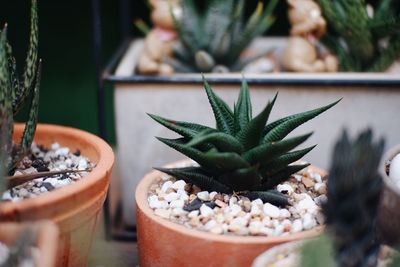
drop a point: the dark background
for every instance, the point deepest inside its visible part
(68, 93)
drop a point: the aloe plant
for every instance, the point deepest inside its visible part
(15, 90)
(243, 154)
(212, 40)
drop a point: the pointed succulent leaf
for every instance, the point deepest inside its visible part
(186, 129)
(12, 68)
(266, 152)
(283, 161)
(270, 182)
(250, 135)
(243, 109)
(197, 176)
(271, 196)
(242, 179)
(222, 141)
(226, 161)
(222, 113)
(283, 129)
(31, 62)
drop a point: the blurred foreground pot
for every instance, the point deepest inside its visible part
(389, 210)
(269, 257)
(163, 243)
(74, 208)
(46, 239)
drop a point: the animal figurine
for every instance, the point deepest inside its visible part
(159, 41)
(308, 25)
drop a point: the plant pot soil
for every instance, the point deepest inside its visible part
(165, 243)
(74, 208)
(389, 212)
(46, 241)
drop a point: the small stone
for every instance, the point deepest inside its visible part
(285, 189)
(195, 189)
(203, 195)
(193, 213)
(255, 210)
(320, 200)
(320, 188)
(55, 146)
(298, 177)
(308, 221)
(297, 226)
(217, 230)
(317, 177)
(255, 227)
(206, 211)
(235, 209)
(267, 231)
(62, 151)
(162, 213)
(247, 205)
(166, 186)
(82, 165)
(23, 192)
(279, 230)
(233, 200)
(271, 210)
(210, 224)
(307, 181)
(284, 213)
(307, 204)
(180, 184)
(220, 204)
(257, 202)
(178, 211)
(171, 197)
(212, 195)
(179, 203)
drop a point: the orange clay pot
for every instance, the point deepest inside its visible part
(46, 234)
(74, 208)
(163, 243)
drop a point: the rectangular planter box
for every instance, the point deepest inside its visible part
(369, 99)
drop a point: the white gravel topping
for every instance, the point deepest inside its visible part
(233, 214)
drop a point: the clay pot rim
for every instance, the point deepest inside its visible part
(389, 155)
(106, 159)
(142, 204)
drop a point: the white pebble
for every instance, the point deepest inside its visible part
(212, 195)
(297, 226)
(162, 213)
(319, 200)
(307, 204)
(271, 210)
(267, 231)
(203, 195)
(62, 151)
(6, 195)
(210, 224)
(279, 230)
(285, 188)
(235, 209)
(255, 210)
(206, 210)
(179, 203)
(284, 213)
(193, 214)
(257, 202)
(394, 169)
(178, 211)
(298, 177)
(308, 221)
(165, 186)
(171, 196)
(155, 203)
(68, 162)
(82, 165)
(233, 200)
(255, 227)
(55, 146)
(183, 194)
(179, 185)
(23, 192)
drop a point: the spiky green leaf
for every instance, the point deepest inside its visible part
(271, 196)
(243, 110)
(274, 180)
(222, 141)
(242, 179)
(284, 128)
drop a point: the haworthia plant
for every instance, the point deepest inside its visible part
(244, 154)
(363, 39)
(212, 39)
(15, 90)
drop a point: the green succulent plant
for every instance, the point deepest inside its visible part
(362, 41)
(15, 90)
(212, 40)
(243, 154)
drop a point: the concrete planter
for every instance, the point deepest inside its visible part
(369, 99)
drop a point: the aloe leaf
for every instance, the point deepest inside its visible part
(243, 110)
(226, 161)
(267, 152)
(12, 68)
(222, 113)
(242, 179)
(222, 141)
(282, 161)
(271, 196)
(272, 181)
(30, 63)
(284, 128)
(250, 135)
(197, 176)
(6, 114)
(186, 129)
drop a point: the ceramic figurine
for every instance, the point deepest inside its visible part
(308, 26)
(159, 41)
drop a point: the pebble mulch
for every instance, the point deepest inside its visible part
(24, 262)
(188, 205)
(41, 159)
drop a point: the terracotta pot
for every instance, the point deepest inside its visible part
(46, 234)
(167, 244)
(389, 212)
(74, 208)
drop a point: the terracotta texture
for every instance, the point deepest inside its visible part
(389, 212)
(76, 207)
(166, 244)
(47, 239)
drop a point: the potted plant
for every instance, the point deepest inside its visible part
(28, 244)
(351, 213)
(237, 197)
(133, 91)
(73, 166)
